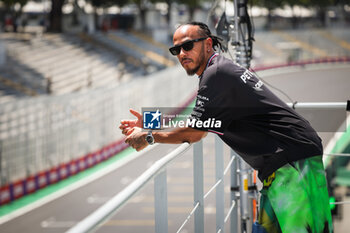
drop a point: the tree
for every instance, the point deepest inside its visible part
(292, 4)
(168, 3)
(55, 16)
(321, 7)
(270, 5)
(11, 3)
(168, 15)
(141, 5)
(9, 8)
(56, 11)
(192, 6)
(104, 4)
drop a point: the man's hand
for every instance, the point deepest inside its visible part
(136, 138)
(127, 125)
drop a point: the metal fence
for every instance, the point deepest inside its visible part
(39, 133)
(158, 172)
(243, 189)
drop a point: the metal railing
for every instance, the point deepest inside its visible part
(158, 172)
(320, 105)
(242, 189)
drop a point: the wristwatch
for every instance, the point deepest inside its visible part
(150, 138)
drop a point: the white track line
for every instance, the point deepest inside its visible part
(74, 186)
(331, 144)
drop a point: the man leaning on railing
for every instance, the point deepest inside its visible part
(261, 128)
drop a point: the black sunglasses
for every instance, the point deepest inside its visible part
(187, 46)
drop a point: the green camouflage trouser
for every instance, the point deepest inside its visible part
(295, 199)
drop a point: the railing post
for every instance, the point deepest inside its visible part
(234, 191)
(246, 220)
(198, 186)
(1, 167)
(220, 194)
(161, 203)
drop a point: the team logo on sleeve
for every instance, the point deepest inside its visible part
(152, 119)
(200, 103)
(247, 75)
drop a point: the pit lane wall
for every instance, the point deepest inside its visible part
(49, 138)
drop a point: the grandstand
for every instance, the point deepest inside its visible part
(64, 63)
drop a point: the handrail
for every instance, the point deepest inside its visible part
(323, 105)
(105, 211)
(337, 154)
(158, 172)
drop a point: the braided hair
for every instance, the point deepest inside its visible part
(205, 32)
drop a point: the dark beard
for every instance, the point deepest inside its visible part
(193, 71)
